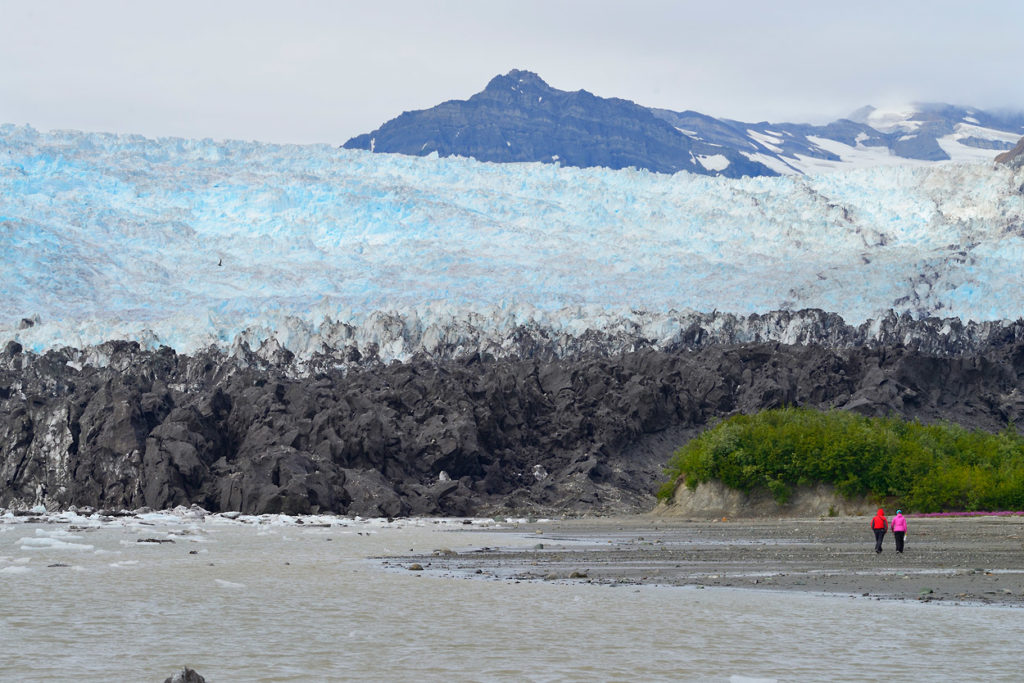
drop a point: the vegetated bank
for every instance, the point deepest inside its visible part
(921, 467)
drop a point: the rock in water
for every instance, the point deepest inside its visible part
(186, 675)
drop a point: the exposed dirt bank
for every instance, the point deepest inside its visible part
(713, 499)
(953, 560)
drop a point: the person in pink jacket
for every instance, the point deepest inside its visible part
(899, 529)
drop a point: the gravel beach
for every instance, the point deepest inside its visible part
(963, 560)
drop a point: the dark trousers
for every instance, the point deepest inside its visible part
(899, 540)
(879, 535)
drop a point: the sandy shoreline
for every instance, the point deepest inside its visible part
(969, 560)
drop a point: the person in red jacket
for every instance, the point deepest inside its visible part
(879, 524)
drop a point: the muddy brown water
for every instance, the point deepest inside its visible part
(268, 599)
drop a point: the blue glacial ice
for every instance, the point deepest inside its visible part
(196, 242)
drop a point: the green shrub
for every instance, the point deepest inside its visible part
(929, 468)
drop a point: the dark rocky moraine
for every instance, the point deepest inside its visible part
(531, 433)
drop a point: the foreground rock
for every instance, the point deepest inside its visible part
(588, 433)
(186, 675)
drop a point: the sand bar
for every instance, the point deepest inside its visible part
(966, 560)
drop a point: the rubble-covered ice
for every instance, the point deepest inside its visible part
(194, 242)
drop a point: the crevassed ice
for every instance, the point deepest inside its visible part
(192, 242)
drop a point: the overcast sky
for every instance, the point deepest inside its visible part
(320, 71)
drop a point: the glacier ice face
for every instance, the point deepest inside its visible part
(194, 242)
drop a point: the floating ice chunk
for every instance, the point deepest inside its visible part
(160, 517)
(71, 517)
(47, 543)
(62, 534)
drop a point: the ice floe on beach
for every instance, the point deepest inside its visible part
(180, 521)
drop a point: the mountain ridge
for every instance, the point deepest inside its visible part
(541, 123)
(521, 107)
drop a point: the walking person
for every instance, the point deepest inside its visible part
(879, 524)
(899, 529)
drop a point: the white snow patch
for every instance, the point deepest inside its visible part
(963, 130)
(961, 153)
(774, 163)
(859, 157)
(891, 119)
(768, 141)
(714, 162)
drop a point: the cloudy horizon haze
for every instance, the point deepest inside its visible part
(316, 71)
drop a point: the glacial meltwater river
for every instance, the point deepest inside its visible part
(269, 599)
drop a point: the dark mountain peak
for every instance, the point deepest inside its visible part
(518, 79)
(526, 90)
(518, 89)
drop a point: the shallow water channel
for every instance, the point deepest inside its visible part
(268, 599)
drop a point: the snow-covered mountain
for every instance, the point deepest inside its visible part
(518, 117)
(915, 135)
(194, 242)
